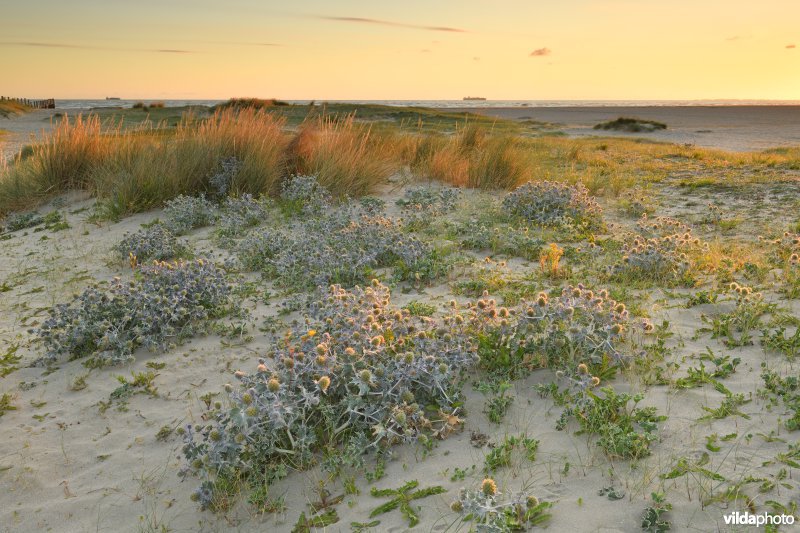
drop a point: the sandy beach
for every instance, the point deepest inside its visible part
(100, 448)
(734, 128)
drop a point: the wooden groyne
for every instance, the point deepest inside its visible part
(49, 103)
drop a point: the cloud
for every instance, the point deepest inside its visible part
(790, 46)
(541, 52)
(363, 20)
(38, 44)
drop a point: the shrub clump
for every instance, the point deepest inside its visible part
(18, 221)
(304, 194)
(555, 204)
(164, 304)
(430, 201)
(632, 125)
(155, 242)
(241, 213)
(362, 375)
(493, 510)
(185, 213)
(580, 326)
(343, 247)
(661, 251)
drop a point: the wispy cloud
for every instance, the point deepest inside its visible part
(790, 46)
(541, 52)
(39, 44)
(363, 20)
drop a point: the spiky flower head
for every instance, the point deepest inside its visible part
(489, 487)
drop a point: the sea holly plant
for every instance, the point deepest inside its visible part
(402, 498)
(185, 213)
(340, 247)
(662, 250)
(555, 204)
(155, 242)
(359, 376)
(493, 511)
(579, 326)
(164, 304)
(304, 195)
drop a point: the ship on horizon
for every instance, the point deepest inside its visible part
(480, 98)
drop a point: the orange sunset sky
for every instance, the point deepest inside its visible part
(314, 49)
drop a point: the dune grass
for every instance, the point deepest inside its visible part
(10, 108)
(133, 167)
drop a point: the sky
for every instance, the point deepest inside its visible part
(409, 49)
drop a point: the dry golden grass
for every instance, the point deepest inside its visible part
(345, 156)
(474, 157)
(141, 167)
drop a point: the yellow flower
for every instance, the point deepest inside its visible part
(311, 332)
(324, 382)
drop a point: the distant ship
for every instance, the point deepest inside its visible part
(112, 98)
(481, 98)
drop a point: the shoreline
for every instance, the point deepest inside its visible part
(736, 128)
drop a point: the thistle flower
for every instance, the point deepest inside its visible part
(583, 369)
(595, 381)
(365, 376)
(489, 487)
(456, 506)
(262, 367)
(323, 383)
(273, 385)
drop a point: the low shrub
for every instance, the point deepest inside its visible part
(163, 305)
(155, 242)
(238, 214)
(632, 125)
(493, 510)
(343, 247)
(360, 376)
(579, 326)
(185, 213)
(662, 251)
(555, 204)
(304, 194)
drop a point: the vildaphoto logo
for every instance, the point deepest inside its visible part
(750, 519)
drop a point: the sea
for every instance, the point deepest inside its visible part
(449, 104)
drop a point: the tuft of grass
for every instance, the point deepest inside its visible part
(474, 157)
(344, 155)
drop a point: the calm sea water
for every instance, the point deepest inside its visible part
(83, 104)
